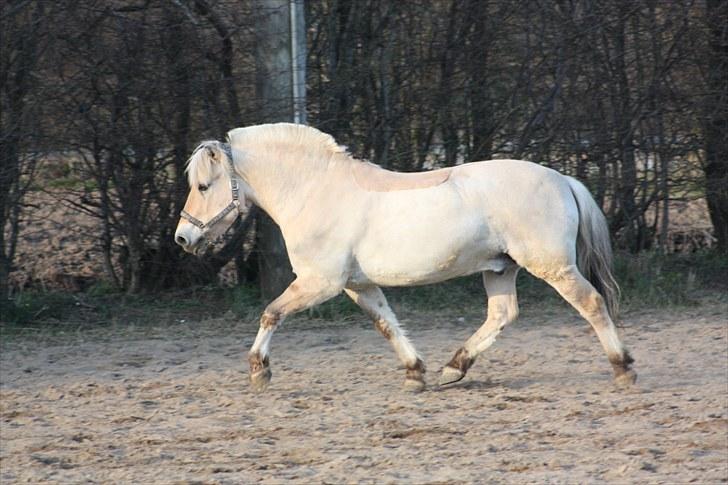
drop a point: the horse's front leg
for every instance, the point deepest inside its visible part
(300, 295)
(373, 302)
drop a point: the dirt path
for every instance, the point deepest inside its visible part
(173, 406)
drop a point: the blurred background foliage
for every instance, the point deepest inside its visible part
(101, 102)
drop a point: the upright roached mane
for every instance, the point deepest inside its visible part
(352, 227)
(289, 134)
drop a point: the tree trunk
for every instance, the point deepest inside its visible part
(716, 122)
(20, 32)
(274, 92)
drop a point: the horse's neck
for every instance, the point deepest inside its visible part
(282, 186)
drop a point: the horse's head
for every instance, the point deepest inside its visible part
(215, 199)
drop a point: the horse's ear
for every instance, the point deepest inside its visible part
(211, 153)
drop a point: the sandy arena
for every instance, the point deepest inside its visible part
(172, 404)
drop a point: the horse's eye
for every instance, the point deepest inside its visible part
(202, 187)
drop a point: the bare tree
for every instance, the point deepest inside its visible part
(628, 96)
(716, 120)
(142, 75)
(23, 37)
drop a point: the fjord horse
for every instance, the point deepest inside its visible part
(351, 226)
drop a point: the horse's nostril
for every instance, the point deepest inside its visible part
(181, 240)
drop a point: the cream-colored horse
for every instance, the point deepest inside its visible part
(351, 226)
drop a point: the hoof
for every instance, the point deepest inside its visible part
(626, 379)
(414, 385)
(450, 375)
(259, 380)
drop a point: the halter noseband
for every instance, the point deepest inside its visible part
(234, 204)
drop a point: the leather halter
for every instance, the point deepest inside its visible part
(234, 204)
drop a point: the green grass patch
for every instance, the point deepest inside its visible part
(68, 182)
(29, 307)
(102, 305)
(245, 301)
(466, 292)
(653, 279)
(340, 307)
(648, 280)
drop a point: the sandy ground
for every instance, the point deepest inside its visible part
(172, 405)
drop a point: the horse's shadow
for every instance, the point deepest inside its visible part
(467, 385)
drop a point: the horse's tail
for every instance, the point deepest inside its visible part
(593, 248)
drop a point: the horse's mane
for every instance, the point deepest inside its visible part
(312, 141)
(289, 133)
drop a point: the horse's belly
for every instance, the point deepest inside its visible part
(425, 255)
(384, 277)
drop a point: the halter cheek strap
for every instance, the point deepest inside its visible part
(234, 203)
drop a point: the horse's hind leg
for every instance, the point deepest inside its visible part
(502, 309)
(575, 289)
(373, 302)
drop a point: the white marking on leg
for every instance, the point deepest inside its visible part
(610, 340)
(261, 345)
(402, 345)
(262, 342)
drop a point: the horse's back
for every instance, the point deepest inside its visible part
(373, 178)
(512, 173)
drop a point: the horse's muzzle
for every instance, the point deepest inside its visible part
(182, 241)
(189, 241)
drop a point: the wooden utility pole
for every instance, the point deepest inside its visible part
(280, 59)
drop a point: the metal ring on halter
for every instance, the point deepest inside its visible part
(234, 204)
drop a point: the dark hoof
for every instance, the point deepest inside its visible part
(450, 375)
(626, 379)
(259, 380)
(414, 385)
